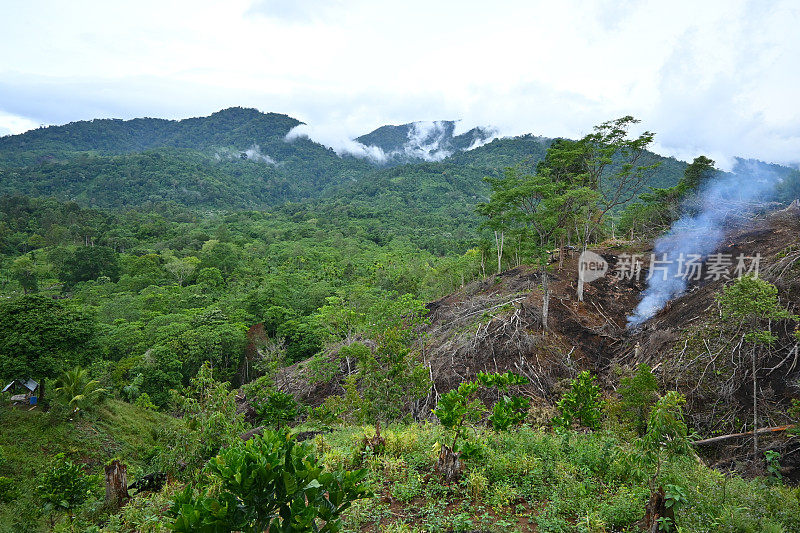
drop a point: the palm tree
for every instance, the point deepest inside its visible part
(79, 392)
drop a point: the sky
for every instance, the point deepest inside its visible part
(718, 78)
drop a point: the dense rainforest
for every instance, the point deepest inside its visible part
(200, 298)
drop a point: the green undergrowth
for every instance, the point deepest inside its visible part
(522, 480)
(30, 439)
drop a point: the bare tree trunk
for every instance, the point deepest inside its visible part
(755, 405)
(498, 240)
(545, 297)
(116, 484)
(583, 249)
(656, 508)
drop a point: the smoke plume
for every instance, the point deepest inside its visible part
(701, 230)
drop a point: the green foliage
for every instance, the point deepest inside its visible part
(214, 422)
(8, 490)
(582, 403)
(667, 435)
(658, 209)
(750, 300)
(638, 393)
(75, 389)
(277, 408)
(772, 460)
(269, 483)
(459, 408)
(145, 402)
(23, 270)
(89, 263)
(63, 486)
(40, 337)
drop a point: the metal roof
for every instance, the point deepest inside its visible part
(28, 384)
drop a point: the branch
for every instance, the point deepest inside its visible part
(746, 433)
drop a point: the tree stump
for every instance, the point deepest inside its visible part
(449, 464)
(376, 444)
(116, 484)
(656, 509)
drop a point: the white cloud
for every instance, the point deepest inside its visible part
(715, 77)
(254, 154)
(12, 124)
(334, 138)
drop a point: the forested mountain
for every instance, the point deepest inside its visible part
(242, 159)
(427, 141)
(235, 126)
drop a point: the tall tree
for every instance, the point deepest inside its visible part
(751, 304)
(40, 337)
(537, 208)
(607, 161)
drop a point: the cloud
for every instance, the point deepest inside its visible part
(11, 124)
(297, 11)
(254, 154)
(716, 77)
(336, 139)
(426, 139)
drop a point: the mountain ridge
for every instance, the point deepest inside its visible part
(242, 158)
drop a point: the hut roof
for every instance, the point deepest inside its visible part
(27, 383)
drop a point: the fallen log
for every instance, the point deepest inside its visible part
(761, 431)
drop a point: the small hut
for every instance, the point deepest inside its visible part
(23, 391)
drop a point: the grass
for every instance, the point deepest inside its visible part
(518, 481)
(531, 480)
(29, 439)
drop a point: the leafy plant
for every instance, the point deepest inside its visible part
(459, 406)
(63, 486)
(675, 496)
(268, 483)
(277, 408)
(582, 403)
(144, 401)
(639, 393)
(667, 435)
(76, 390)
(772, 460)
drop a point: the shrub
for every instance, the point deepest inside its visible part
(639, 393)
(582, 403)
(268, 483)
(277, 408)
(145, 402)
(8, 490)
(459, 406)
(63, 486)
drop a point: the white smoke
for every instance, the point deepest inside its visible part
(701, 232)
